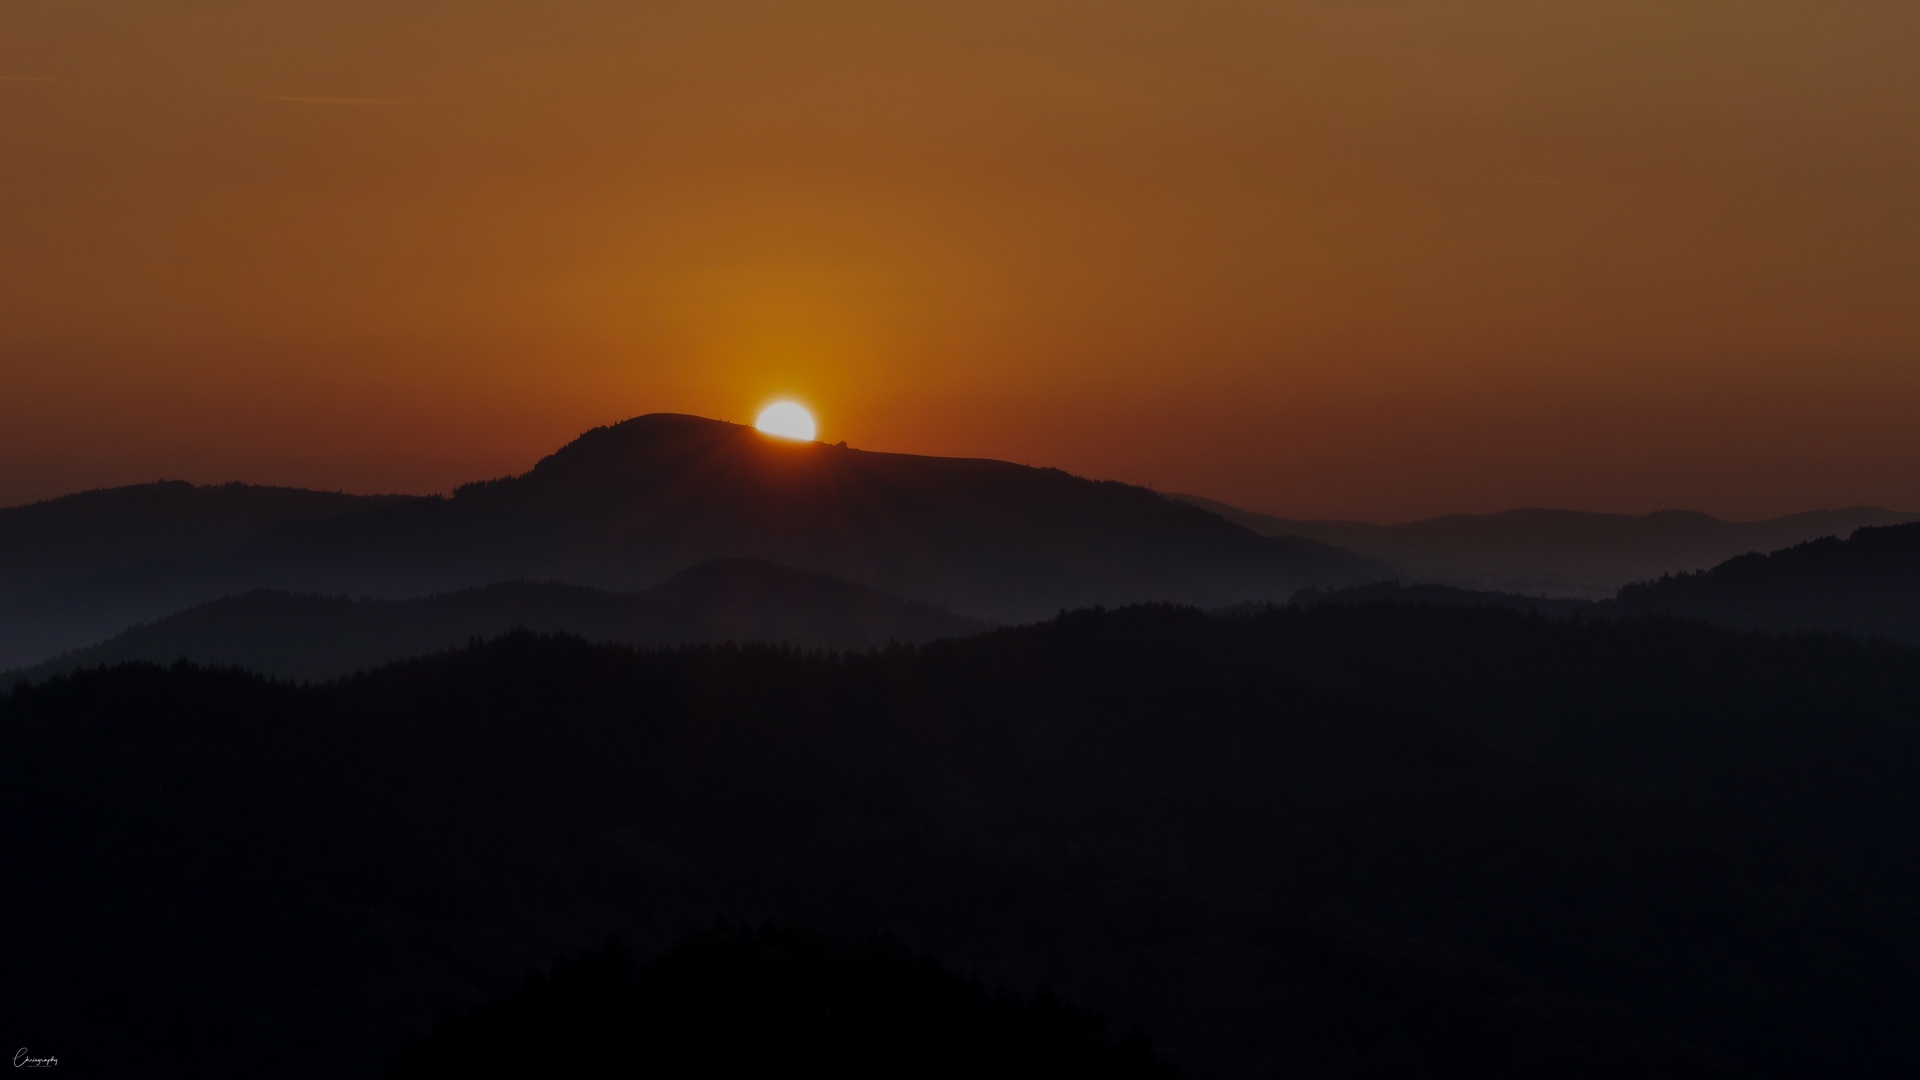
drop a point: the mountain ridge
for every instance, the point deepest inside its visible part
(624, 506)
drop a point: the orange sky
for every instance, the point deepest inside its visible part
(1345, 258)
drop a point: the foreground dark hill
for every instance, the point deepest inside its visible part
(624, 507)
(1560, 552)
(297, 636)
(1346, 841)
(1868, 584)
(780, 1001)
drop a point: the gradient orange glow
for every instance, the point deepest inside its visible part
(1376, 260)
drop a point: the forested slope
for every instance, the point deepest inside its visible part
(1377, 840)
(1867, 584)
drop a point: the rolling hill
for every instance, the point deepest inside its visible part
(300, 636)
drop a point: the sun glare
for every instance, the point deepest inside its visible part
(787, 420)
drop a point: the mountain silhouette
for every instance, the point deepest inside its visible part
(624, 507)
(301, 636)
(1560, 552)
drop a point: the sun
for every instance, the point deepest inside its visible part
(787, 420)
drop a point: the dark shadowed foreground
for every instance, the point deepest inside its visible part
(1345, 841)
(782, 1001)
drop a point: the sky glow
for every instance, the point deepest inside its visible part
(1324, 260)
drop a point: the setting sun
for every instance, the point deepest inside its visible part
(787, 420)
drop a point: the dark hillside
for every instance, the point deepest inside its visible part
(292, 636)
(1346, 841)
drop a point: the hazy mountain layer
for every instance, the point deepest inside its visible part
(1560, 552)
(1377, 841)
(1867, 585)
(1394, 592)
(300, 636)
(625, 507)
(112, 530)
(78, 568)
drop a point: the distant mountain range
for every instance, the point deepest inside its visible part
(306, 637)
(1867, 585)
(623, 508)
(1559, 552)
